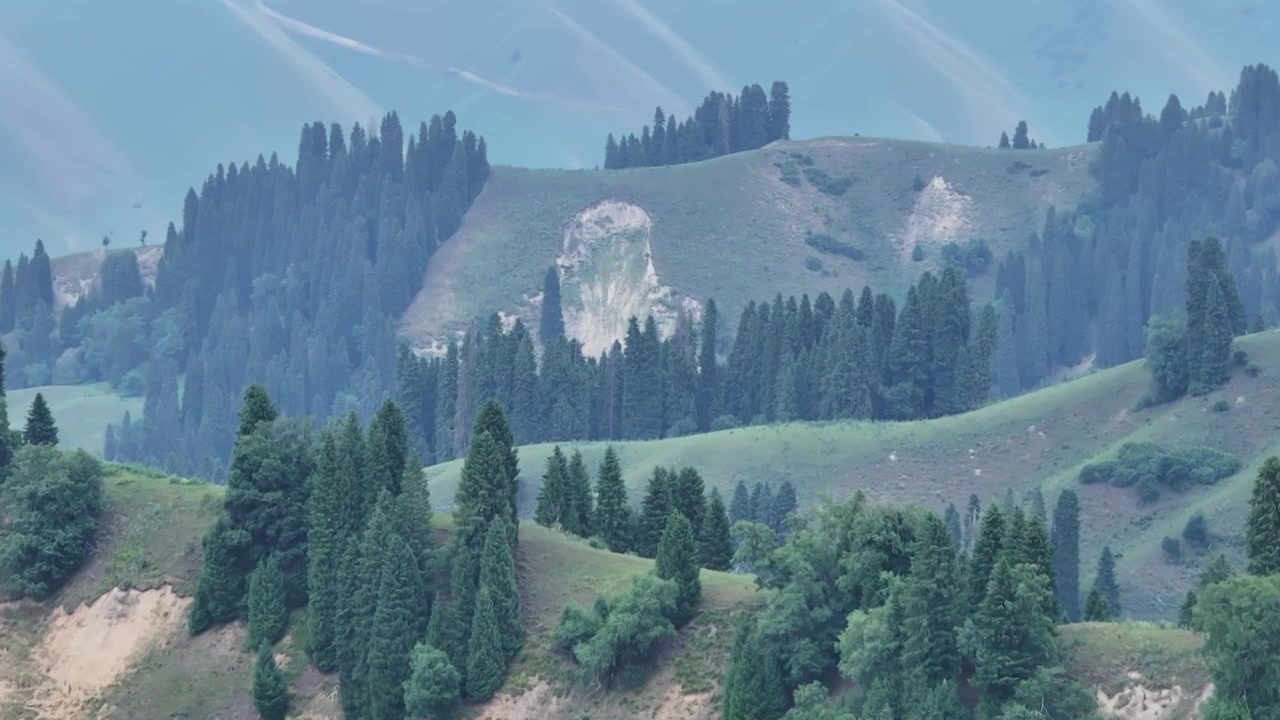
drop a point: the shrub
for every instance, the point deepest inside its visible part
(683, 426)
(1196, 531)
(133, 384)
(917, 253)
(1171, 547)
(834, 185)
(1252, 370)
(812, 264)
(1150, 468)
(918, 183)
(832, 246)
(1099, 472)
(1241, 357)
(638, 620)
(725, 422)
(1221, 406)
(973, 257)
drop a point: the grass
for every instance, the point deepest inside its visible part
(750, 212)
(81, 411)
(1041, 439)
(1103, 655)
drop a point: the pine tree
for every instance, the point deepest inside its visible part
(498, 576)
(1066, 553)
(952, 520)
(552, 497)
(432, 687)
(715, 550)
(784, 503)
(1020, 139)
(986, 551)
(579, 507)
(270, 693)
(256, 408)
(740, 506)
(688, 497)
(1010, 635)
(1262, 528)
(708, 385)
(612, 520)
(552, 326)
(1105, 581)
(492, 420)
(325, 536)
(933, 606)
(40, 429)
(753, 688)
(1096, 608)
(220, 588)
(779, 112)
(1186, 611)
(400, 604)
(267, 615)
(485, 664)
(388, 448)
(654, 511)
(1004, 140)
(677, 559)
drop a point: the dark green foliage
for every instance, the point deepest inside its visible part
(267, 614)
(1010, 636)
(256, 408)
(1096, 607)
(1050, 693)
(40, 429)
(1196, 531)
(1105, 582)
(222, 584)
(387, 449)
(1150, 468)
(1186, 611)
(986, 552)
(578, 625)
(486, 665)
(951, 518)
(551, 327)
(326, 533)
(1238, 617)
(641, 404)
(753, 688)
(811, 704)
(677, 559)
(50, 504)
(1171, 547)
(832, 246)
(688, 497)
(933, 604)
(579, 506)
(1262, 528)
(498, 577)
(637, 621)
(1066, 553)
(1215, 571)
(270, 692)
(715, 548)
(553, 497)
(432, 687)
(740, 506)
(654, 511)
(395, 630)
(972, 257)
(612, 519)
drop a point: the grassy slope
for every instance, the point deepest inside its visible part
(81, 411)
(729, 228)
(1042, 438)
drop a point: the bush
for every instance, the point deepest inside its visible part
(917, 253)
(1252, 370)
(1099, 472)
(1221, 406)
(812, 264)
(683, 426)
(133, 384)
(834, 185)
(832, 246)
(1241, 357)
(619, 645)
(1196, 531)
(918, 183)
(725, 422)
(1171, 547)
(1150, 468)
(596, 542)
(973, 257)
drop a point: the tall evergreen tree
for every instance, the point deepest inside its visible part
(715, 548)
(1011, 635)
(688, 497)
(1066, 553)
(553, 497)
(492, 420)
(1262, 528)
(270, 692)
(754, 688)
(933, 606)
(325, 538)
(579, 504)
(740, 505)
(986, 552)
(708, 385)
(952, 520)
(267, 615)
(485, 664)
(1096, 608)
(551, 328)
(40, 429)
(498, 576)
(677, 559)
(779, 112)
(1105, 581)
(256, 408)
(654, 511)
(784, 503)
(400, 604)
(612, 520)
(388, 448)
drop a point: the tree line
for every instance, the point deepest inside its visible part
(721, 125)
(859, 357)
(292, 277)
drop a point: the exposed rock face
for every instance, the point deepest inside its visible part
(1139, 702)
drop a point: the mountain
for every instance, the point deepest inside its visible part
(110, 109)
(132, 599)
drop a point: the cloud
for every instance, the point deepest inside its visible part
(309, 30)
(1181, 50)
(991, 99)
(347, 98)
(689, 55)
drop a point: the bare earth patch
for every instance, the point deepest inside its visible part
(85, 651)
(539, 701)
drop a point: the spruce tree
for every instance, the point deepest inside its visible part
(1066, 553)
(784, 503)
(40, 429)
(498, 576)
(553, 496)
(1096, 608)
(256, 408)
(677, 559)
(485, 662)
(400, 604)
(654, 511)
(270, 692)
(388, 448)
(708, 385)
(715, 550)
(1105, 580)
(986, 551)
(551, 328)
(934, 604)
(492, 420)
(612, 520)
(220, 588)
(754, 688)
(952, 520)
(688, 497)
(267, 615)
(740, 505)
(325, 536)
(579, 506)
(1010, 635)
(1262, 528)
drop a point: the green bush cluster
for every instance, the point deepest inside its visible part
(1151, 469)
(832, 246)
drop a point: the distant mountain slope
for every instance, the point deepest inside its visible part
(735, 228)
(1039, 439)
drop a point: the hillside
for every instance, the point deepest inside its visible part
(1039, 439)
(83, 411)
(129, 604)
(655, 240)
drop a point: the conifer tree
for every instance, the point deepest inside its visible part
(933, 606)
(492, 420)
(654, 511)
(986, 551)
(482, 491)
(1066, 553)
(688, 497)
(40, 429)
(1004, 140)
(1262, 528)
(498, 576)
(715, 550)
(952, 520)
(1105, 580)
(270, 693)
(740, 505)
(325, 536)
(779, 112)
(388, 448)
(400, 603)
(432, 687)
(553, 496)
(220, 588)
(256, 408)
(784, 503)
(267, 614)
(753, 688)
(708, 385)
(612, 520)
(677, 559)
(1096, 608)
(1010, 635)
(579, 507)
(552, 326)
(485, 663)
(1186, 611)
